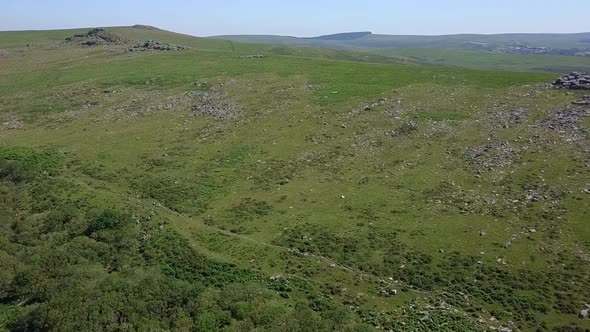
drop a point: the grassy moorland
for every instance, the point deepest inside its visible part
(367, 40)
(467, 51)
(491, 60)
(305, 190)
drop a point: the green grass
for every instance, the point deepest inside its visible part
(19, 39)
(493, 61)
(29, 159)
(305, 185)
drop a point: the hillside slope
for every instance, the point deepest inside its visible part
(239, 187)
(138, 33)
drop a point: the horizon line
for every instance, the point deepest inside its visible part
(294, 36)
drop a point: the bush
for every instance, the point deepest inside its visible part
(29, 159)
(108, 220)
(12, 171)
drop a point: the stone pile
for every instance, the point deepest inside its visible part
(371, 106)
(152, 45)
(584, 100)
(215, 104)
(13, 123)
(491, 155)
(567, 122)
(575, 81)
(255, 56)
(96, 37)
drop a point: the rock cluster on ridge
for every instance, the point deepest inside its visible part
(574, 80)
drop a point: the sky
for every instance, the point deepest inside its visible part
(303, 17)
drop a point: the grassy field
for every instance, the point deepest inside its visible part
(452, 50)
(493, 61)
(305, 190)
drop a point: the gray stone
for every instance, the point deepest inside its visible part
(152, 45)
(97, 36)
(575, 81)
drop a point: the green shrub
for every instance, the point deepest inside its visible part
(108, 220)
(29, 159)
(250, 208)
(12, 171)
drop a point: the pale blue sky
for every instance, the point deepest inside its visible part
(303, 17)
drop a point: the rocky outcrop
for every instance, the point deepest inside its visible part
(584, 100)
(575, 81)
(96, 37)
(254, 56)
(152, 45)
(567, 122)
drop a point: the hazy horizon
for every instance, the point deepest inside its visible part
(305, 18)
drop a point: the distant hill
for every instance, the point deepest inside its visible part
(550, 44)
(134, 34)
(344, 36)
(20, 40)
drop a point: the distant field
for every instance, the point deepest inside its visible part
(452, 50)
(460, 41)
(496, 61)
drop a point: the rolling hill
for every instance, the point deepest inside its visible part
(369, 40)
(526, 52)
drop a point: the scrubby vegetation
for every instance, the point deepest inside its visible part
(74, 267)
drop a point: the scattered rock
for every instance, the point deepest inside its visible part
(89, 104)
(584, 100)
(574, 81)
(311, 87)
(276, 277)
(13, 123)
(254, 56)
(216, 104)
(371, 106)
(567, 122)
(389, 292)
(533, 196)
(426, 316)
(491, 155)
(503, 119)
(199, 84)
(405, 129)
(145, 27)
(584, 314)
(152, 45)
(295, 251)
(97, 37)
